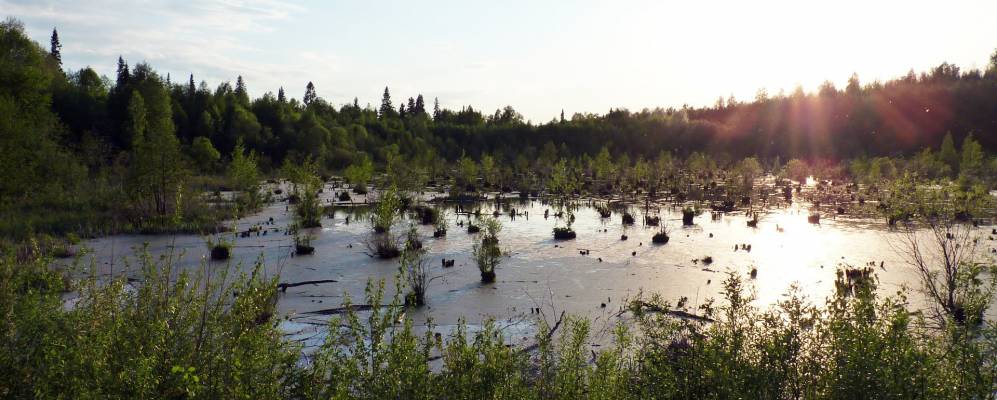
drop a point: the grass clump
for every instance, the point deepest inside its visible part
(220, 250)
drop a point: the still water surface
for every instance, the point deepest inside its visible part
(545, 273)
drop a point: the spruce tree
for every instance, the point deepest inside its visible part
(191, 87)
(123, 73)
(854, 87)
(436, 108)
(401, 111)
(411, 105)
(387, 109)
(420, 105)
(240, 91)
(56, 49)
(280, 95)
(310, 95)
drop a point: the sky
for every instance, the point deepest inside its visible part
(539, 56)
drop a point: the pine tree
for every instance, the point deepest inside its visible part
(280, 95)
(411, 105)
(401, 111)
(356, 103)
(191, 87)
(436, 108)
(56, 49)
(562, 115)
(310, 95)
(420, 105)
(387, 109)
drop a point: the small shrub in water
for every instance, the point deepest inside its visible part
(303, 245)
(564, 233)
(628, 219)
(688, 214)
(221, 250)
(660, 237)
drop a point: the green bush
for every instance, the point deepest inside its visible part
(187, 337)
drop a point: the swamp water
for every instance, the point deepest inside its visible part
(541, 272)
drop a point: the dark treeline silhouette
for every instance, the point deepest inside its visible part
(899, 116)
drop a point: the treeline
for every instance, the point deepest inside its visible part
(900, 116)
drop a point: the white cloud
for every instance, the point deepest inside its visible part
(203, 37)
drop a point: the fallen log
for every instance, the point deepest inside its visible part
(341, 310)
(283, 286)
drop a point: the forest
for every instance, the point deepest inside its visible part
(86, 156)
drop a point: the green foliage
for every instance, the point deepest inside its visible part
(971, 164)
(745, 174)
(158, 173)
(190, 337)
(486, 252)
(440, 223)
(948, 154)
(414, 268)
(359, 173)
(306, 186)
(406, 175)
(488, 169)
(185, 337)
(561, 183)
(34, 164)
(204, 154)
(386, 212)
(243, 175)
(467, 173)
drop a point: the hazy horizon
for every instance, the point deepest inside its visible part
(539, 58)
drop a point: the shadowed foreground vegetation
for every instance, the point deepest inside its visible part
(176, 335)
